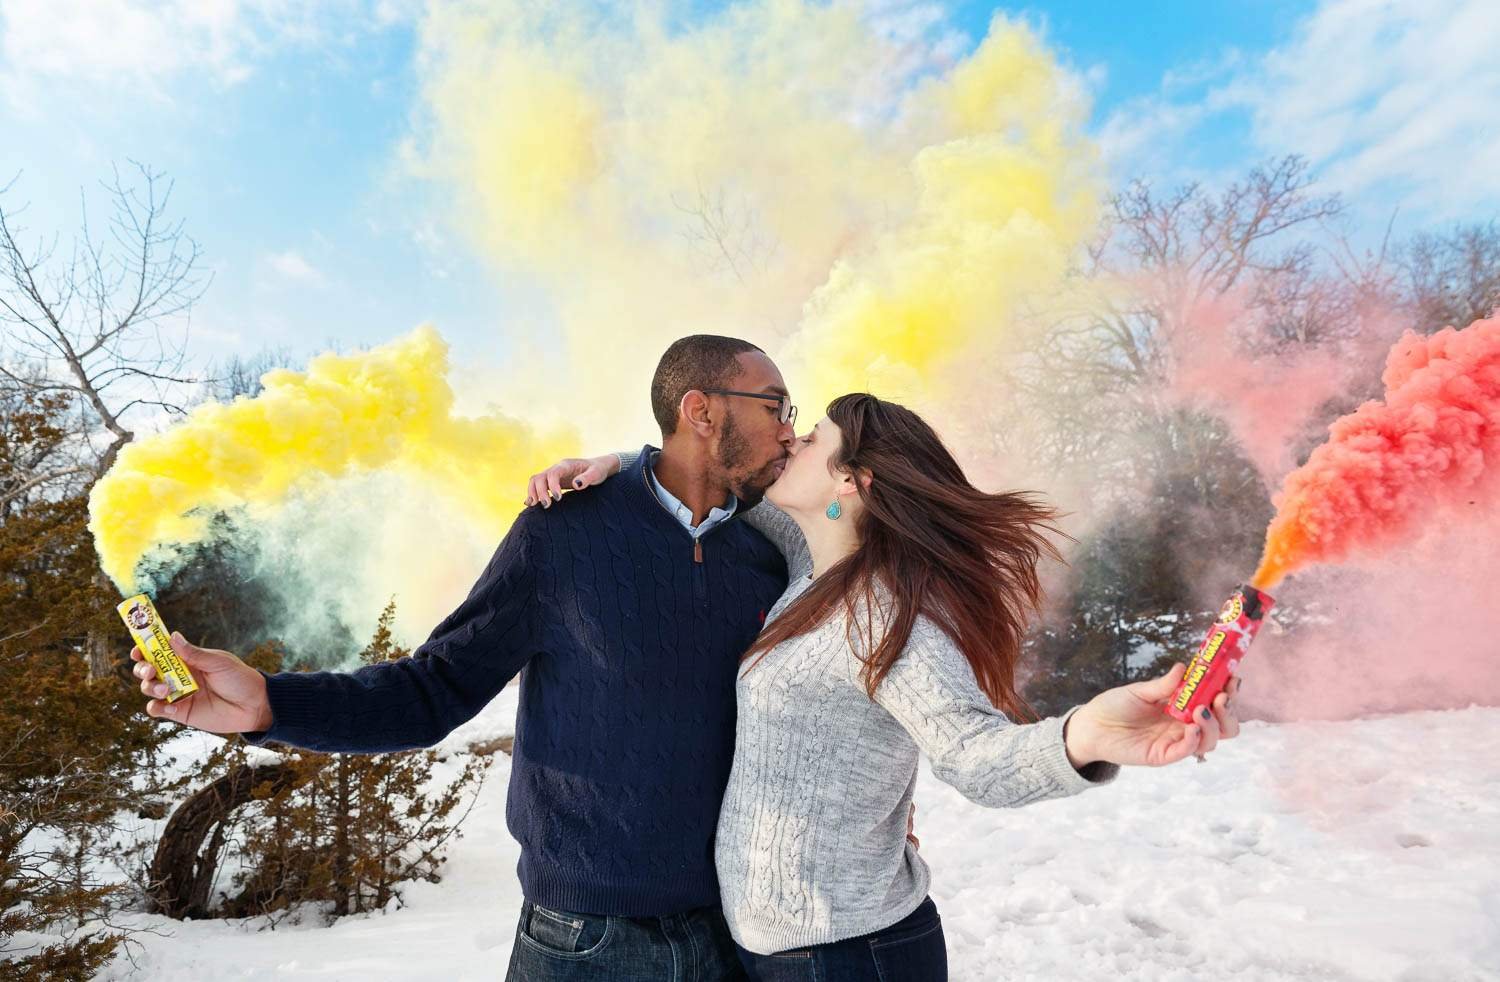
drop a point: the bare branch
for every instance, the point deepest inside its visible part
(47, 477)
(112, 314)
(729, 238)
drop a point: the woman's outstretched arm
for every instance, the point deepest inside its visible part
(931, 691)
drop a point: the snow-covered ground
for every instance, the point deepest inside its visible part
(1352, 850)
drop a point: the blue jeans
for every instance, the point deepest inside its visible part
(911, 950)
(561, 946)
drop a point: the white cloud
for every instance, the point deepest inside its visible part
(1392, 102)
(1156, 136)
(1385, 94)
(1133, 138)
(146, 44)
(293, 266)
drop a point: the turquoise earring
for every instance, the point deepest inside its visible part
(834, 510)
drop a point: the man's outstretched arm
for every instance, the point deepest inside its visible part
(398, 705)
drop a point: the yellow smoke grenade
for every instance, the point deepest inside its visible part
(389, 409)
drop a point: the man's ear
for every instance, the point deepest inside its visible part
(693, 410)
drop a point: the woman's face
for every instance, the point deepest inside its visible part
(807, 485)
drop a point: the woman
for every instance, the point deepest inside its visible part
(899, 632)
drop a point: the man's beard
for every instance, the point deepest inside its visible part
(734, 451)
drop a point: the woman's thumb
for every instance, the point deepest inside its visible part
(1163, 686)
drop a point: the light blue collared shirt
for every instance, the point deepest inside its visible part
(683, 513)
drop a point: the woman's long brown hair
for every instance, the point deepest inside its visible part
(933, 544)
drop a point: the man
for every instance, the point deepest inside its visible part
(628, 608)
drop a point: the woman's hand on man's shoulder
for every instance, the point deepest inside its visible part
(571, 473)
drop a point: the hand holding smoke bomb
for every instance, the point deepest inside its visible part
(1228, 642)
(1125, 725)
(227, 696)
(155, 645)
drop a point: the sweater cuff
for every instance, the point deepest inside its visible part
(1072, 779)
(293, 710)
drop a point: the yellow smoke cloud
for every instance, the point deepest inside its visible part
(386, 410)
(865, 206)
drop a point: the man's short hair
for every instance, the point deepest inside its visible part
(699, 361)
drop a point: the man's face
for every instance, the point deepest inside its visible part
(752, 445)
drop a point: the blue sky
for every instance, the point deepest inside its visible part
(1137, 44)
(282, 123)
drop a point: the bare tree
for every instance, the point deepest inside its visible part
(1453, 278)
(239, 376)
(1100, 373)
(101, 325)
(106, 322)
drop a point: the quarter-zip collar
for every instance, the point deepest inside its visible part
(682, 512)
(639, 476)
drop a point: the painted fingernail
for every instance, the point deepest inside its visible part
(1203, 712)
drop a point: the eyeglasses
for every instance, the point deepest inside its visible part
(786, 413)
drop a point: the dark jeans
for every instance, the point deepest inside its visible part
(561, 946)
(911, 950)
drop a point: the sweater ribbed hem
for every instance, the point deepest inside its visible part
(546, 884)
(764, 939)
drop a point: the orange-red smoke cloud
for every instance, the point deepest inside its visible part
(1430, 444)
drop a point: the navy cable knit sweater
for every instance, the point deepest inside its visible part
(630, 638)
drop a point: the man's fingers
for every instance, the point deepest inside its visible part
(154, 690)
(145, 670)
(135, 654)
(207, 660)
(192, 655)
